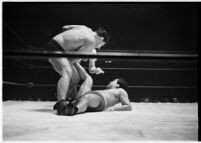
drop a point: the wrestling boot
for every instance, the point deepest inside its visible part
(60, 106)
(57, 104)
(69, 110)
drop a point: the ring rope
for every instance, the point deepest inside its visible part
(148, 51)
(30, 66)
(33, 47)
(32, 84)
(129, 51)
(108, 55)
(14, 33)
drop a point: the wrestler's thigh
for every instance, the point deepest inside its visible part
(93, 100)
(61, 65)
(75, 75)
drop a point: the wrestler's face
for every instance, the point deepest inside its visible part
(113, 84)
(100, 43)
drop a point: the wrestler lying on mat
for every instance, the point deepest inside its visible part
(99, 100)
(76, 38)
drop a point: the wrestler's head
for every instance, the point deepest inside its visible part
(118, 83)
(103, 37)
(122, 83)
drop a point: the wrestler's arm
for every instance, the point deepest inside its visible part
(92, 65)
(67, 27)
(126, 106)
(87, 80)
(86, 48)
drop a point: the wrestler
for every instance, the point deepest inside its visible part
(101, 100)
(76, 38)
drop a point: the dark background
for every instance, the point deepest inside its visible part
(154, 27)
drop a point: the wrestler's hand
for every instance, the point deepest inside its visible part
(99, 71)
(95, 70)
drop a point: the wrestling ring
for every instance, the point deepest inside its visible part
(167, 119)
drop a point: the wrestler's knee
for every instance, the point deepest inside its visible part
(62, 66)
(86, 99)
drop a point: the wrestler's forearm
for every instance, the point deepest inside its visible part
(81, 92)
(92, 63)
(123, 108)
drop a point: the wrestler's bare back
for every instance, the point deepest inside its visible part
(74, 38)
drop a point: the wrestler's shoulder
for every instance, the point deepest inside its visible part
(122, 91)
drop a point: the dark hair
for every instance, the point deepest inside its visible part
(103, 33)
(123, 83)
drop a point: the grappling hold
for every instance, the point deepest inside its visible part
(98, 100)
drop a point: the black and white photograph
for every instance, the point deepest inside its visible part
(100, 71)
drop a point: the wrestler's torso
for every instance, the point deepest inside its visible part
(111, 96)
(73, 39)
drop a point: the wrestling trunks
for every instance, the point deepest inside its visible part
(52, 45)
(101, 105)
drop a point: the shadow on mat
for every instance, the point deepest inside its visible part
(44, 110)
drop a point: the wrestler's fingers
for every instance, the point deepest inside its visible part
(92, 70)
(99, 71)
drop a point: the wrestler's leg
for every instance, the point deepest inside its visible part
(63, 67)
(75, 79)
(87, 80)
(90, 100)
(82, 105)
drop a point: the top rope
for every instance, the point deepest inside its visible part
(28, 54)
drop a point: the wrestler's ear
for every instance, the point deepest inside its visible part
(101, 38)
(117, 85)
